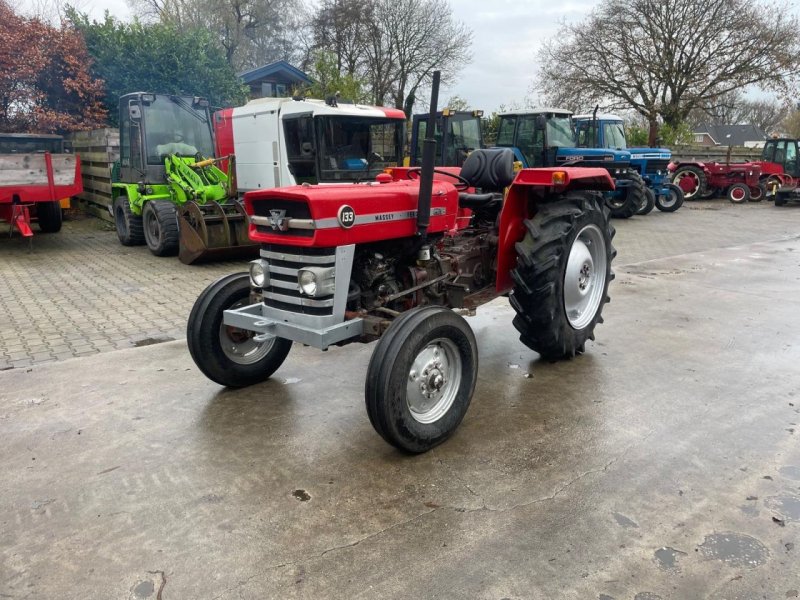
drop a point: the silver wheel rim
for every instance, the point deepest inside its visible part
(585, 276)
(433, 381)
(670, 199)
(239, 346)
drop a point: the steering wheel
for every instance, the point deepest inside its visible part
(461, 183)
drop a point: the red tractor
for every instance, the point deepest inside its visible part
(740, 182)
(389, 259)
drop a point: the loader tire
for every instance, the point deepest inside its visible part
(129, 227)
(228, 355)
(50, 218)
(562, 275)
(160, 220)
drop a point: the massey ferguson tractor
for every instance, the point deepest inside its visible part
(389, 259)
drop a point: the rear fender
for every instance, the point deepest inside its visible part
(531, 187)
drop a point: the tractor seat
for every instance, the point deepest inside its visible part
(490, 171)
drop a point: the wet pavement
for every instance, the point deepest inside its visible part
(663, 463)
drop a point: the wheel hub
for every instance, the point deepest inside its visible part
(433, 381)
(584, 277)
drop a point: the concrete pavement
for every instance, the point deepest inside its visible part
(663, 463)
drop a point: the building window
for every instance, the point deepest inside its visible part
(698, 138)
(267, 90)
(280, 90)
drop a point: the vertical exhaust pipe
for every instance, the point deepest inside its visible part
(595, 140)
(428, 159)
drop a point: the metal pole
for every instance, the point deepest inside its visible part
(428, 158)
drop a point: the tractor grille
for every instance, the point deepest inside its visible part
(655, 165)
(283, 292)
(289, 209)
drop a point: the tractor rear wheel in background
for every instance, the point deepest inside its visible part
(228, 355)
(160, 220)
(672, 201)
(757, 193)
(692, 181)
(562, 275)
(649, 204)
(629, 199)
(421, 378)
(50, 217)
(129, 226)
(738, 193)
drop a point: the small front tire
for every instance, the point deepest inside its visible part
(421, 378)
(49, 215)
(228, 355)
(738, 193)
(673, 201)
(649, 202)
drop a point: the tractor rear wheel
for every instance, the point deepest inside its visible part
(421, 378)
(562, 275)
(228, 355)
(160, 219)
(672, 201)
(692, 181)
(738, 193)
(129, 226)
(649, 204)
(50, 218)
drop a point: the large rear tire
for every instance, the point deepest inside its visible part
(129, 226)
(673, 201)
(692, 181)
(421, 378)
(629, 199)
(228, 355)
(562, 275)
(49, 215)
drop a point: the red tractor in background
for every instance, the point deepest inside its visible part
(389, 258)
(740, 182)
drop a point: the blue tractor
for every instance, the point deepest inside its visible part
(608, 131)
(546, 138)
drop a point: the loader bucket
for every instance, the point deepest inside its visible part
(213, 231)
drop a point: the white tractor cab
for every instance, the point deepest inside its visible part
(286, 141)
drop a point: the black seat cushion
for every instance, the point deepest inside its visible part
(490, 170)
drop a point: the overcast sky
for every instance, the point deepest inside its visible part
(506, 37)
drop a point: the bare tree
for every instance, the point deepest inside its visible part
(666, 58)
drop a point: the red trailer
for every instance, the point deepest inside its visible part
(33, 184)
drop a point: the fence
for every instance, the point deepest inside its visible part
(99, 149)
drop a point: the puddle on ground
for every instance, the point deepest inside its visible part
(144, 589)
(735, 549)
(667, 558)
(751, 510)
(624, 521)
(790, 472)
(152, 341)
(788, 506)
(646, 596)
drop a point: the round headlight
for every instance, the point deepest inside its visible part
(307, 280)
(258, 273)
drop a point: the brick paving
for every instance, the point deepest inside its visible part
(79, 292)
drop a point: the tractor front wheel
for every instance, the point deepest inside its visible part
(692, 181)
(50, 218)
(161, 227)
(738, 193)
(129, 226)
(421, 378)
(228, 355)
(672, 201)
(625, 202)
(562, 275)
(649, 202)
(758, 192)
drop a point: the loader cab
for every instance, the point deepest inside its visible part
(341, 148)
(457, 134)
(153, 126)
(784, 153)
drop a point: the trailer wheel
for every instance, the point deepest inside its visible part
(672, 201)
(692, 181)
(738, 193)
(562, 275)
(160, 220)
(757, 193)
(228, 355)
(129, 226)
(649, 203)
(421, 378)
(50, 218)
